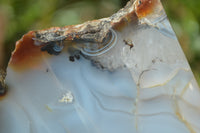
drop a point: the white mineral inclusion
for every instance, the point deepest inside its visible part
(67, 98)
(145, 89)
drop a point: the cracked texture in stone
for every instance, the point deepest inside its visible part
(122, 74)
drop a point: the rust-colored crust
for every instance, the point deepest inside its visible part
(145, 7)
(130, 18)
(98, 29)
(26, 53)
(2, 96)
(119, 26)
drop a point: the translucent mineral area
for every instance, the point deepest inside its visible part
(121, 74)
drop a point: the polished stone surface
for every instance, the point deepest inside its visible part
(139, 82)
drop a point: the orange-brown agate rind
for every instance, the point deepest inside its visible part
(145, 7)
(26, 53)
(128, 19)
(2, 96)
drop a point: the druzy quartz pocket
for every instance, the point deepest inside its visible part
(121, 74)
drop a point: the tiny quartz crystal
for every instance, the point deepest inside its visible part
(67, 98)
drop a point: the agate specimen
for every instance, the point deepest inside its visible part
(122, 74)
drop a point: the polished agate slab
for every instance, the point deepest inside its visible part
(122, 74)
